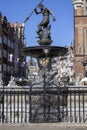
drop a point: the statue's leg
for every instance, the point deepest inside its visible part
(43, 24)
(40, 25)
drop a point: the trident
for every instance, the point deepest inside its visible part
(27, 18)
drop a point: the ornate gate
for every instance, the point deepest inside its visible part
(48, 103)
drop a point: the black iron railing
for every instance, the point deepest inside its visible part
(32, 104)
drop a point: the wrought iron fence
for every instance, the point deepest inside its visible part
(36, 104)
(16, 105)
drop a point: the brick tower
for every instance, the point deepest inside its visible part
(80, 36)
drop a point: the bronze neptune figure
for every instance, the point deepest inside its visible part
(43, 26)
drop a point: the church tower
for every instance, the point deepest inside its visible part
(80, 36)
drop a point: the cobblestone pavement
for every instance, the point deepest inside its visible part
(44, 126)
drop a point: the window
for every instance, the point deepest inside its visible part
(86, 44)
(0, 40)
(86, 7)
(8, 42)
(0, 53)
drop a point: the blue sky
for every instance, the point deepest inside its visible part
(62, 30)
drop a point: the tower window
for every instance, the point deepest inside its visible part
(86, 3)
(86, 6)
(86, 44)
(86, 10)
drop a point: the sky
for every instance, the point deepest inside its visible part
(62, 30)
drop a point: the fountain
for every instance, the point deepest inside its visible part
(44, 54)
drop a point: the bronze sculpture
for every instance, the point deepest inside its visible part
(43, 26)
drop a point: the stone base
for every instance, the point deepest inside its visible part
(45, 42)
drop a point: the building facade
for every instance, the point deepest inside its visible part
(80, 36)
(19, 59)
(32, 68)
(11, 43)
